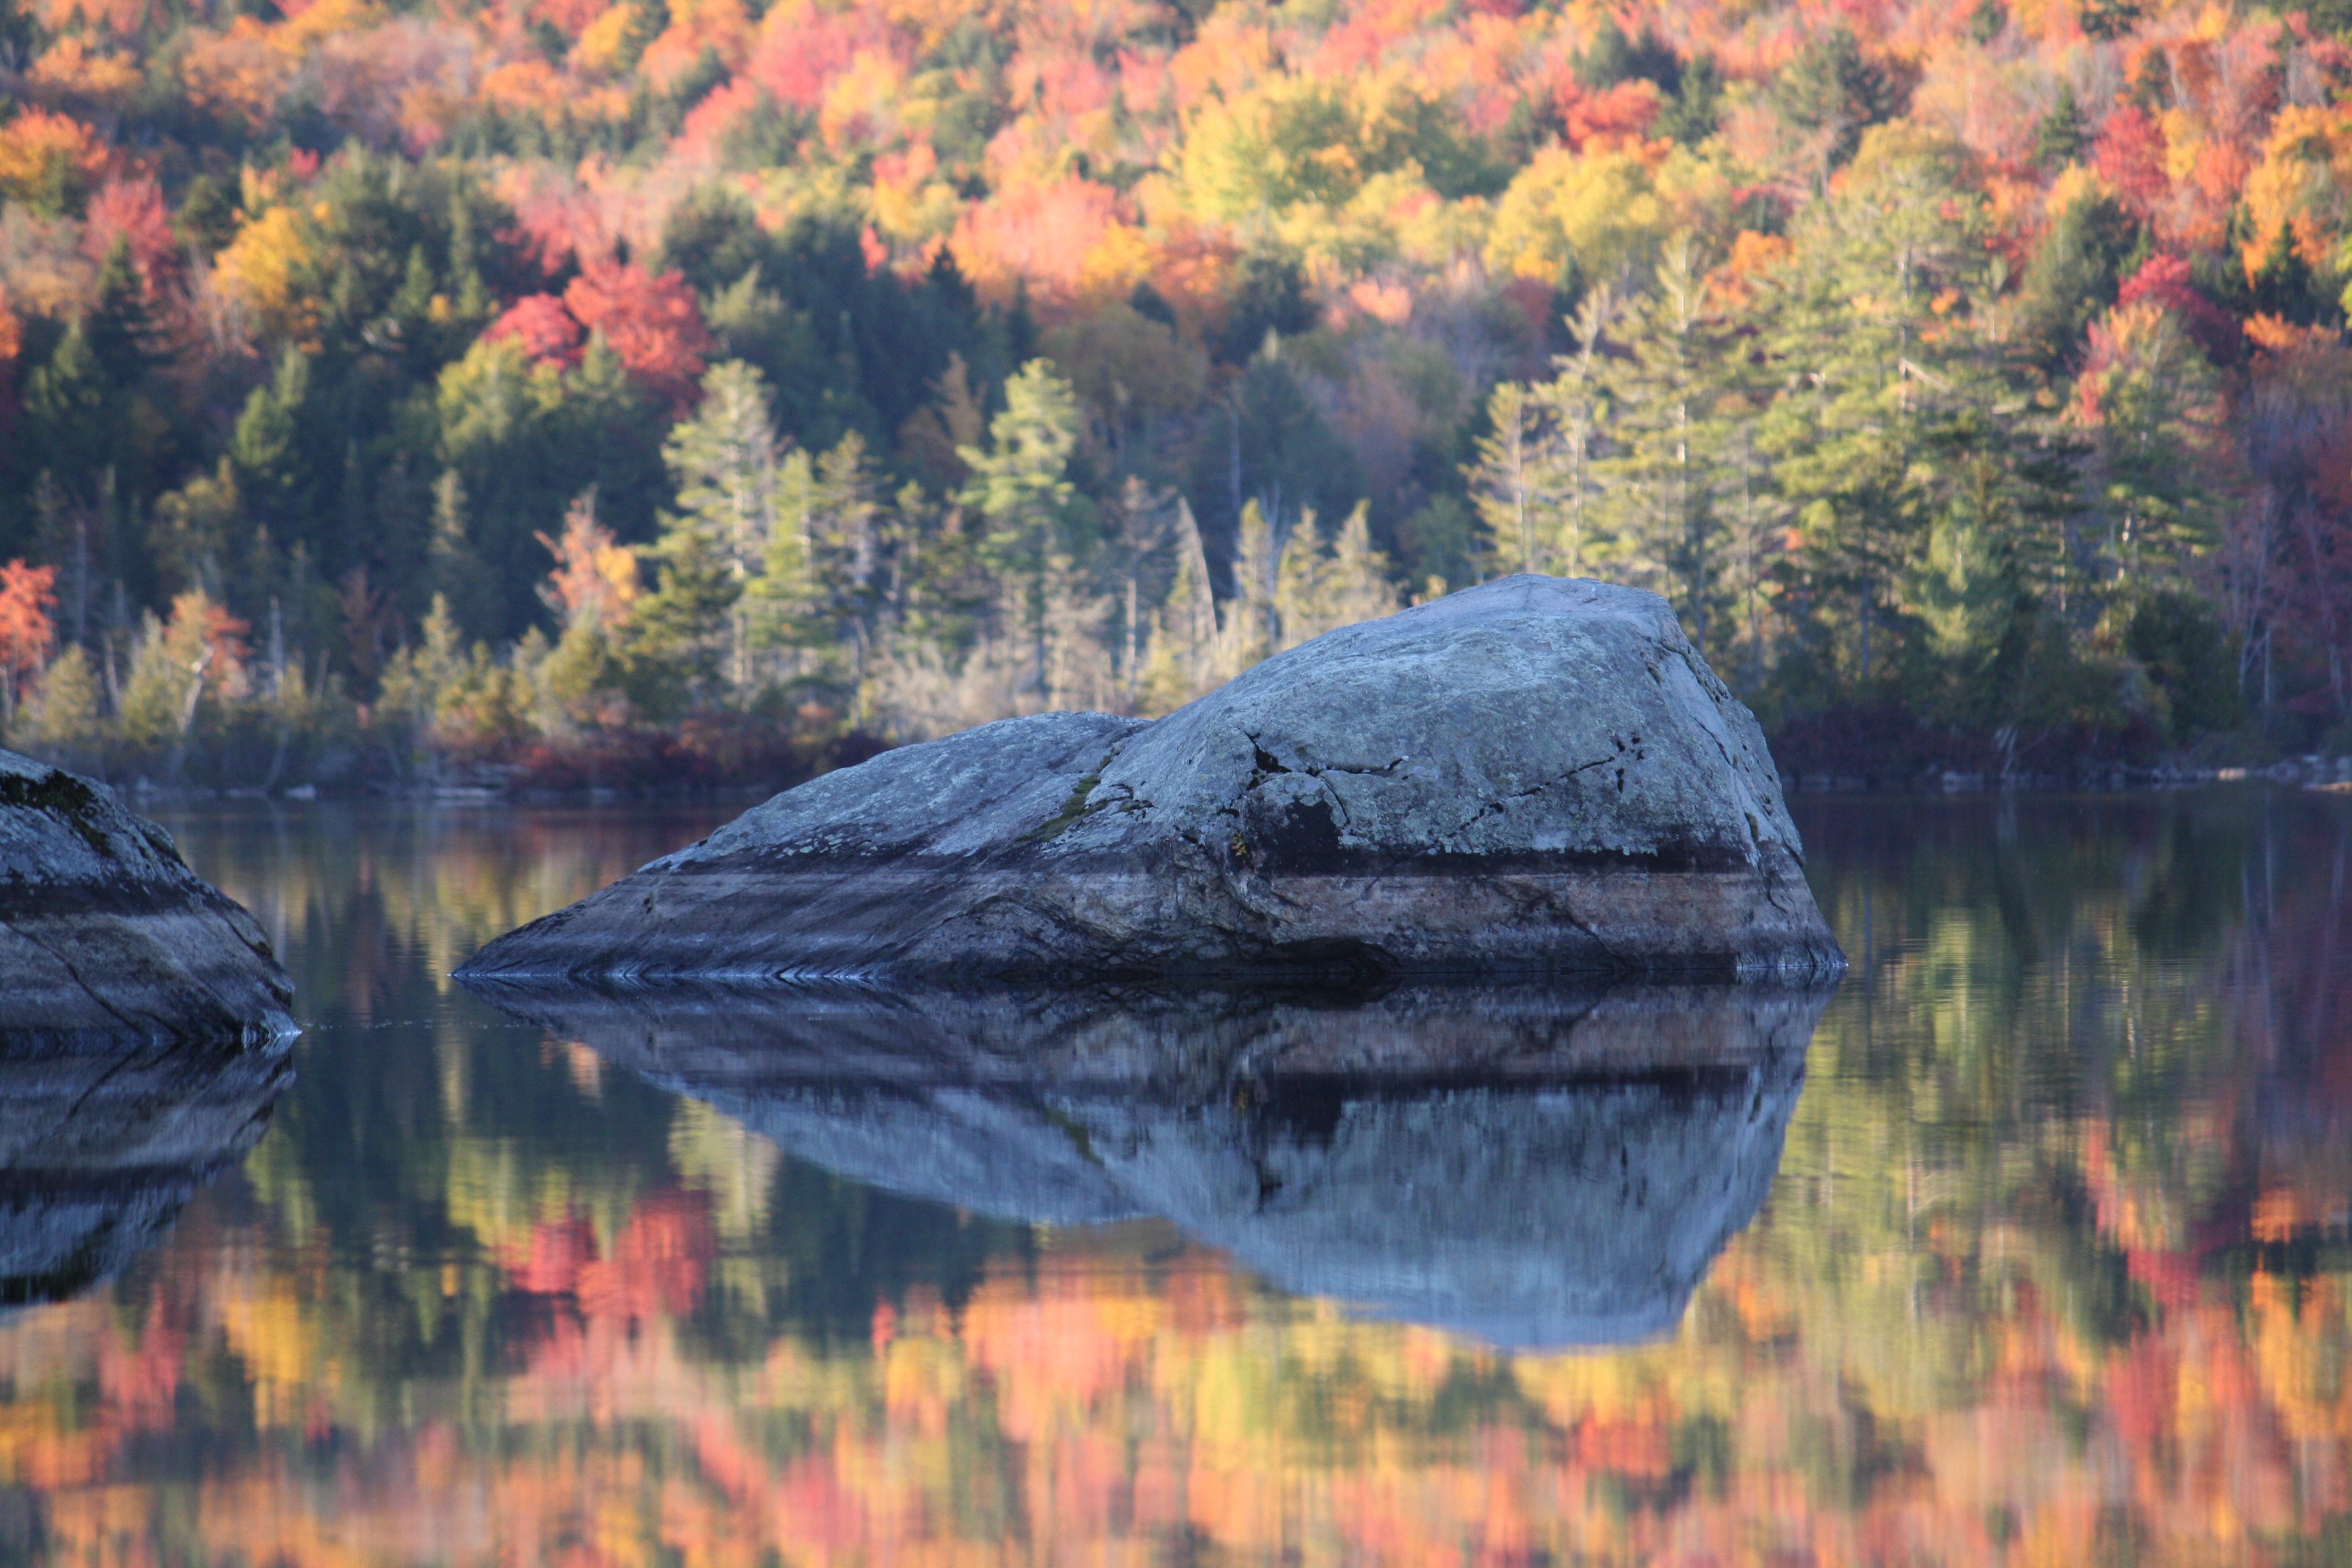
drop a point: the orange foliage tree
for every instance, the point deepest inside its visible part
(651, 322)
(27, 594)
(48, 160)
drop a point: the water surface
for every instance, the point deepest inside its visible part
(2050, 1257)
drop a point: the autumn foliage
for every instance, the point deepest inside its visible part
(351, 287)
(27, 595)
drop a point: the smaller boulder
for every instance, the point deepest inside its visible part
(105, 935)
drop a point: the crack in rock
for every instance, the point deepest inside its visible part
(1499, 802)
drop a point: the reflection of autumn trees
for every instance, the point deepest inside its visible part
(2058, 1269)
(391, 895)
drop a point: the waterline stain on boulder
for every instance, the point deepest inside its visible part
(1536, 776)
(106, 936)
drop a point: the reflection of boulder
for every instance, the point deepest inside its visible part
(100, 1147)
(1577, 1213)
(1531, 1166)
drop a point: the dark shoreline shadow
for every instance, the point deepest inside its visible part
(1534, 1166)
(102, 1141)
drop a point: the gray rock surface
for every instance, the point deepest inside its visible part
(105, 935)
(1535, 776)
(1531, 1166)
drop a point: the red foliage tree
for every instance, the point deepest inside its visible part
(27, 594)
(2130, 156)
(2163, 280)
(132, 210)
(1622, 113)
(652, 323)
(549, 334)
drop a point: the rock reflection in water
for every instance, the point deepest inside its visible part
(100, 1146)
(1533, 1167)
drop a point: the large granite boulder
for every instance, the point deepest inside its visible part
(105, 935)
(1535, 1166)
(1538, 775)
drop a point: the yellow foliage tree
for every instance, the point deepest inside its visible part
(48, 160)
(1598, 214)
(261, 267)
(2302, 190)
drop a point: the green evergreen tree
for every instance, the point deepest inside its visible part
(1036, 524)
(2074, 273)
(1871, 363)
(725, 461)
(2060, 137)
(459, 582)
(1929, 492)
(848, 533)
(1577, 400)
(1505, 480)
(1183, 660)
(681, 640)
(124, 333)
(266, 449)
(1320, 588)
(823, 591)
(2157, 432)
(1664, 473)
(1834, 91)
(1251, 631)
(70, 413)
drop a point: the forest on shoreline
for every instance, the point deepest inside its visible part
(683, 393)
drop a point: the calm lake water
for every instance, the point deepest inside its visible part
(2050, 1258)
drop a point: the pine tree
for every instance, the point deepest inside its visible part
(1020, 484)
(1837, 92)
(726, 461)
(1923, 487)
(1505, 480)
(1359, 587)
(682, 642)
(1183, 661)
(1576, 399)
(267, 452)
(1140, 519)
(1533, 484)
(1320, 589)
(2153, 405)
(2059, 138)
(1665, 471)
(70, 414)
(1251, 632)
(459, 582)
(124, 334)
(825, 591)
(1302, 589)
